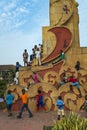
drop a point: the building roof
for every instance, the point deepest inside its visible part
(6, 67)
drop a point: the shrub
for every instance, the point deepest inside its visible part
(71, 122)
(47, 127)
(3, 87)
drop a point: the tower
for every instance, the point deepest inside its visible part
(64, 13)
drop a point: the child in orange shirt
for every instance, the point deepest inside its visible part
(25, 104)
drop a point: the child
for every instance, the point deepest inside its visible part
(25, 57)
(62, 57)
(9, 100)
(28, 86)
(35, 77)
(74, 82)
(15, 81)
(40, 102)
(77, 66)
(38, 58)
(60, 105)
(64, 79)
(24, 105)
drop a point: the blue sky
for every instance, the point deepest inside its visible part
(21, 24)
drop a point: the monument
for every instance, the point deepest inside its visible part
(61, 34)
(64, 13)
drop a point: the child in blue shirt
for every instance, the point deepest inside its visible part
(60, 105)
(9, 101)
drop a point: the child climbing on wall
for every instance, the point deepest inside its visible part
(40, 103)
(35, 77)
(64, 79)
(60, 105)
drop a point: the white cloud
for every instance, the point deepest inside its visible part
(9, 7)
(23, 10)
(16, 25)
(3, 15)
(13, 16)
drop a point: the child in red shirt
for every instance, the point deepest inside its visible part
(40, 102)
(74, 82)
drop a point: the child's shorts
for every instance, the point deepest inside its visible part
(60, 112)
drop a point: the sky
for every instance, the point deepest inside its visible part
(21, 23)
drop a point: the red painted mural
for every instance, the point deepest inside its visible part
(63, 42)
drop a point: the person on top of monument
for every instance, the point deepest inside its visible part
(18, 65)
(40, 46)
(35, 48)
(25, 57)
(38, 57)
(32, 56)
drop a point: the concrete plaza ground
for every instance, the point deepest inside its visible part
(35, 123)
(25, 123)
